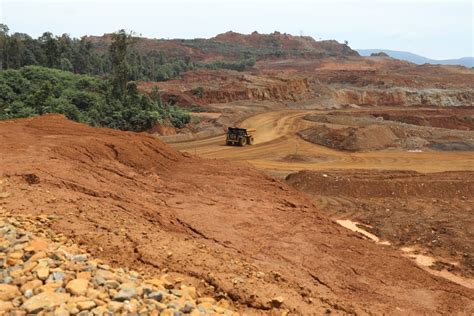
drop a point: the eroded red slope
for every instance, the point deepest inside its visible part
(134, 201)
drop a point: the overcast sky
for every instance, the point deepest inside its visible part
(433, 28)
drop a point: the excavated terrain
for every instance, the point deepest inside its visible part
(325, 83)
(355, 199)
(222, 86)
(432, 212)
(133, 201)
(299, 71)
(379, 81)
(400, 177)
(448, 129)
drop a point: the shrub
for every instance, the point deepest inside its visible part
(36, 90)
(199, 92)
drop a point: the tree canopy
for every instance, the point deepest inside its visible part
(35, 90)
(81, 56)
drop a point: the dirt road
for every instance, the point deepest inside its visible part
(279, 150)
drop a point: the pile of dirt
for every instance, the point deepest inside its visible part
(401, 184)
(426, 211)
(164, 129)
(372, 137)
(362, 130)
(237, 234)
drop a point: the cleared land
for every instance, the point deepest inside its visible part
(402, 174)
(379, 146)
(134, 201)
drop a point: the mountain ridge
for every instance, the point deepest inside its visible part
(232, 45)
(418, 59)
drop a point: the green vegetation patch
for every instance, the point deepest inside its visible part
(35, 90)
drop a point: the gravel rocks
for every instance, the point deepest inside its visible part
(77, 286)
(8, 292)
(44, 273)
(45, 300)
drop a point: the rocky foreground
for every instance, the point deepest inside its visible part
(46, 274)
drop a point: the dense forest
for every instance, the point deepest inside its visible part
(79, 56)
(35, 90)
(48, 75)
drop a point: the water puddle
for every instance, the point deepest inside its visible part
(353, 226)
(423, 261)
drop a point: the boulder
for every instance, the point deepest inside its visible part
(44, 300)
(127, 292)
(8, 292)
(77, 286)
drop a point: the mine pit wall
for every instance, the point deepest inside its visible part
(404, 97)
(300, 90)
(286, 90)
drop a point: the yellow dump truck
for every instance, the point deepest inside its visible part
(239, 136)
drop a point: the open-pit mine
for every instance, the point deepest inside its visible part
(356, 197)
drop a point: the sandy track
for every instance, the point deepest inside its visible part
(280, 150)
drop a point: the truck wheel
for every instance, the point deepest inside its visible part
(228, 143)
(250, 140)
(243, 141)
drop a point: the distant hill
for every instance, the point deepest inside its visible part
(417, 59)
(233, 45)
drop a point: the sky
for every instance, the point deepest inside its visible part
(439, 29)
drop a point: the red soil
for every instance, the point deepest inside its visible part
(134, 201)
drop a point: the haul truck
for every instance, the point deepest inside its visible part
(239, 136)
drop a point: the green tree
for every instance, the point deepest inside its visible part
(120, 67)
(65, 64)
(39, 99)
(3, 46)
(51, 49)
(82, 56)
(34, 90)
(65, 46)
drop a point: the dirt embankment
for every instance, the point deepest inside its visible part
(372, 137)
(431, 212)
(326, 82)
(437, 129)
(460, 119)
(380, 82)
(133, 201)
(205, 86)
(403, 97)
